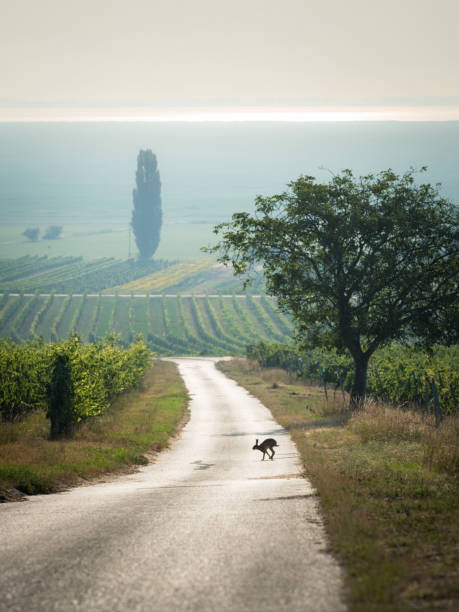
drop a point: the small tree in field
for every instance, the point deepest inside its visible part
(358, 262)
(31, 233)
(147, 213)
(53, 232)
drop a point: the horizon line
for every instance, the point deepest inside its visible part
(227, 115)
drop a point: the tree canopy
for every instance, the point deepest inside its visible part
(358, 262)
(147, 213)
(31, 233)
(53, 232)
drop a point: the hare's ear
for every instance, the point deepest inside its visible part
(256, 441)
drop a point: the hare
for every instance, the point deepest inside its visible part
(266, 445)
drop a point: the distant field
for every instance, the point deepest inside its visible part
(195, 276)
(71, 274)
(179, 241)
(81, 175)
(170, 278)
(50, 297)
(211, 325)
(77, 275)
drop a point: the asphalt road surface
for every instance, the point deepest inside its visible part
(207, 527)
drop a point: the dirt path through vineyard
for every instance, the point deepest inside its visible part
(208, 526)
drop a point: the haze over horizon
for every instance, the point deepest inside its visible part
(236, 99)
(220, 61)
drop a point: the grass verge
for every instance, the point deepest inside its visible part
(387, 480)
(138, 423)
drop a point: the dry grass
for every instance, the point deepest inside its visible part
(387, 480)
(439, 445)
(138, 422)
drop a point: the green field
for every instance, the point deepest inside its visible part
(67, 274)
(206, 325)
(179, 241)
(193, 307)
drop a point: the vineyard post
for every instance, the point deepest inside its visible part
(453, 395)
(299, 365)
(413, 383)
(438, 410)
(340, 381)
(324, 382)
(427, 394)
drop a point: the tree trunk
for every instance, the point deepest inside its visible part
(60, 398)
(359, 386)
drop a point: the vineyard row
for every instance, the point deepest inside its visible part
(397, 374)
(207, 325)
(65, 274)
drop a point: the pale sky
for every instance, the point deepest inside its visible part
(125, 58)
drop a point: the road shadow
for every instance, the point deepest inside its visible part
(279, 456)
(280, 431)
(201, 465)
(286, 497)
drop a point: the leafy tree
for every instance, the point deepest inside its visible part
(358, 262)
(53, 232)
(31, 233)
(147, 213)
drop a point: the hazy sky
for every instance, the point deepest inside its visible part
(233, 53)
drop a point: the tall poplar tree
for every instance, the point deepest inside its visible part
(147, 216)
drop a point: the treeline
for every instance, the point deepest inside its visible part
(398, 374)
(71, 381)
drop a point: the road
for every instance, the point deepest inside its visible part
(208, 526)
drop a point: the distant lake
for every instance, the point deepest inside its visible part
(84, 173)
